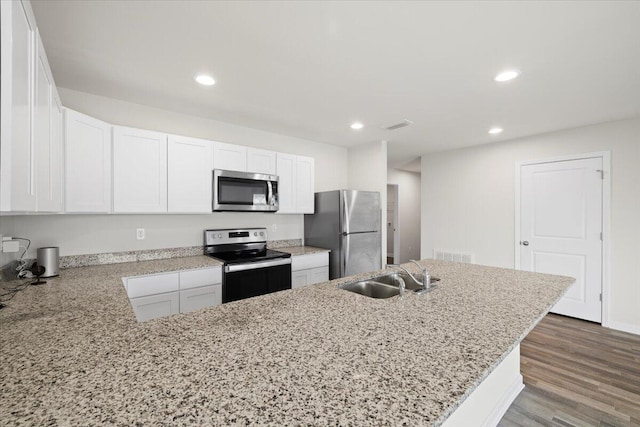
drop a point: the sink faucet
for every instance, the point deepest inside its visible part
(426, 277)
(425, 287)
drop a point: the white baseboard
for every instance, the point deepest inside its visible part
(624, 327)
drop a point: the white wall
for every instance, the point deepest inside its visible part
(468, 202)
(367, 170)
(80, 234)
(408, 211)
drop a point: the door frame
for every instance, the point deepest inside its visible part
(606, 218)
(396, 223)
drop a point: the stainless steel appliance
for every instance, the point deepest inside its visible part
(244, 191)
(49, 258)
(348, 223)
(249, 269)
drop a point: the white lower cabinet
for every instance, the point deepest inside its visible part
(309, 269)
(154, 306)
(164, 294)
(197, 298)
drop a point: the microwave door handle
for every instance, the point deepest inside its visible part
(269, 194)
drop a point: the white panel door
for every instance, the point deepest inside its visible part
(87, 165)
(286, 171)
(300, 279)
(561, 225)
(230, 157)
(190, 174)
(261, 161)
(18, 33)
(139, 171)
(198, 298)
(305, 185)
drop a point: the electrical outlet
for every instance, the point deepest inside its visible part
(140, 233)
(10, 246)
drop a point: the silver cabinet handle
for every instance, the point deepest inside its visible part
(524, 243)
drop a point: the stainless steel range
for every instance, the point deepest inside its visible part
(250, 269)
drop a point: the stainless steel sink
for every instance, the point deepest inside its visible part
(385, 286)
(372, 289)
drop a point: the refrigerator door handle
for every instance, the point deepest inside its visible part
(345, 257)
(345, 213)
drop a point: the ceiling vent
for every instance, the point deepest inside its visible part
(402, 124)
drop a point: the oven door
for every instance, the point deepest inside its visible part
(244, 191)
(258, 278)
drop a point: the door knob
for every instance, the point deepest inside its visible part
(524, 243)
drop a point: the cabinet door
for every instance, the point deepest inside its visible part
(229, 157)
(139, 171)
(261, 161)
(305, 185)
(198, 298)
(18, 163)
(286, 170)
(300, 279)
(190, 173)
(47, 189)
(87, 166)
(155, 306)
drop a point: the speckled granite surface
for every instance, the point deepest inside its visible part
(73, 353)
(302, 250)
(72, 261)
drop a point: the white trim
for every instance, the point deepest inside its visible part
(508, 398)
(396, 223)
(624, 327)
(606, 220)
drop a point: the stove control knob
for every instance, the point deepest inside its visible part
(255, 233)
(262, 233)
(219, 235)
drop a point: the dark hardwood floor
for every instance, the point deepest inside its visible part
(577, 373)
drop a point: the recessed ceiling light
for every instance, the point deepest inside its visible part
(505, 76)
(495, 131)
(356, 125)
(205, 80)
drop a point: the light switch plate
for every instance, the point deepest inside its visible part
(140, 233)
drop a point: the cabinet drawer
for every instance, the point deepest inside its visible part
(319, 275)
(151, 285)
(203, 277)
(303, 262)
(300, 279)
(154, 306)
(197, 298)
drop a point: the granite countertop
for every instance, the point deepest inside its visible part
(302, 250)
(73, 353)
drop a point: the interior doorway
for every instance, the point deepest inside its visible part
(562, 215)
(393, 230)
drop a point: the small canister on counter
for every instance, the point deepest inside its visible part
(49, 258)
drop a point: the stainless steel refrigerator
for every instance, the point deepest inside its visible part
(348, 223)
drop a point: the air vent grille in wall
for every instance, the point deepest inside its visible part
(464, 257)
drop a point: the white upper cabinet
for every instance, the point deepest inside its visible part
(305, 184)
(87, 164)
(17, 33)
(296, 184)
(190, 166)
(229, 157)
(286, 170)
(46, 144)
(261, 161)
(139, 171)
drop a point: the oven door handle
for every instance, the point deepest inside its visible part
(255, 265)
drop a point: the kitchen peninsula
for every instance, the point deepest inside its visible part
(73, 352)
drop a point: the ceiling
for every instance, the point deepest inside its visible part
(309, 69)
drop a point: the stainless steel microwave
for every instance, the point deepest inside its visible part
(244, 191)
